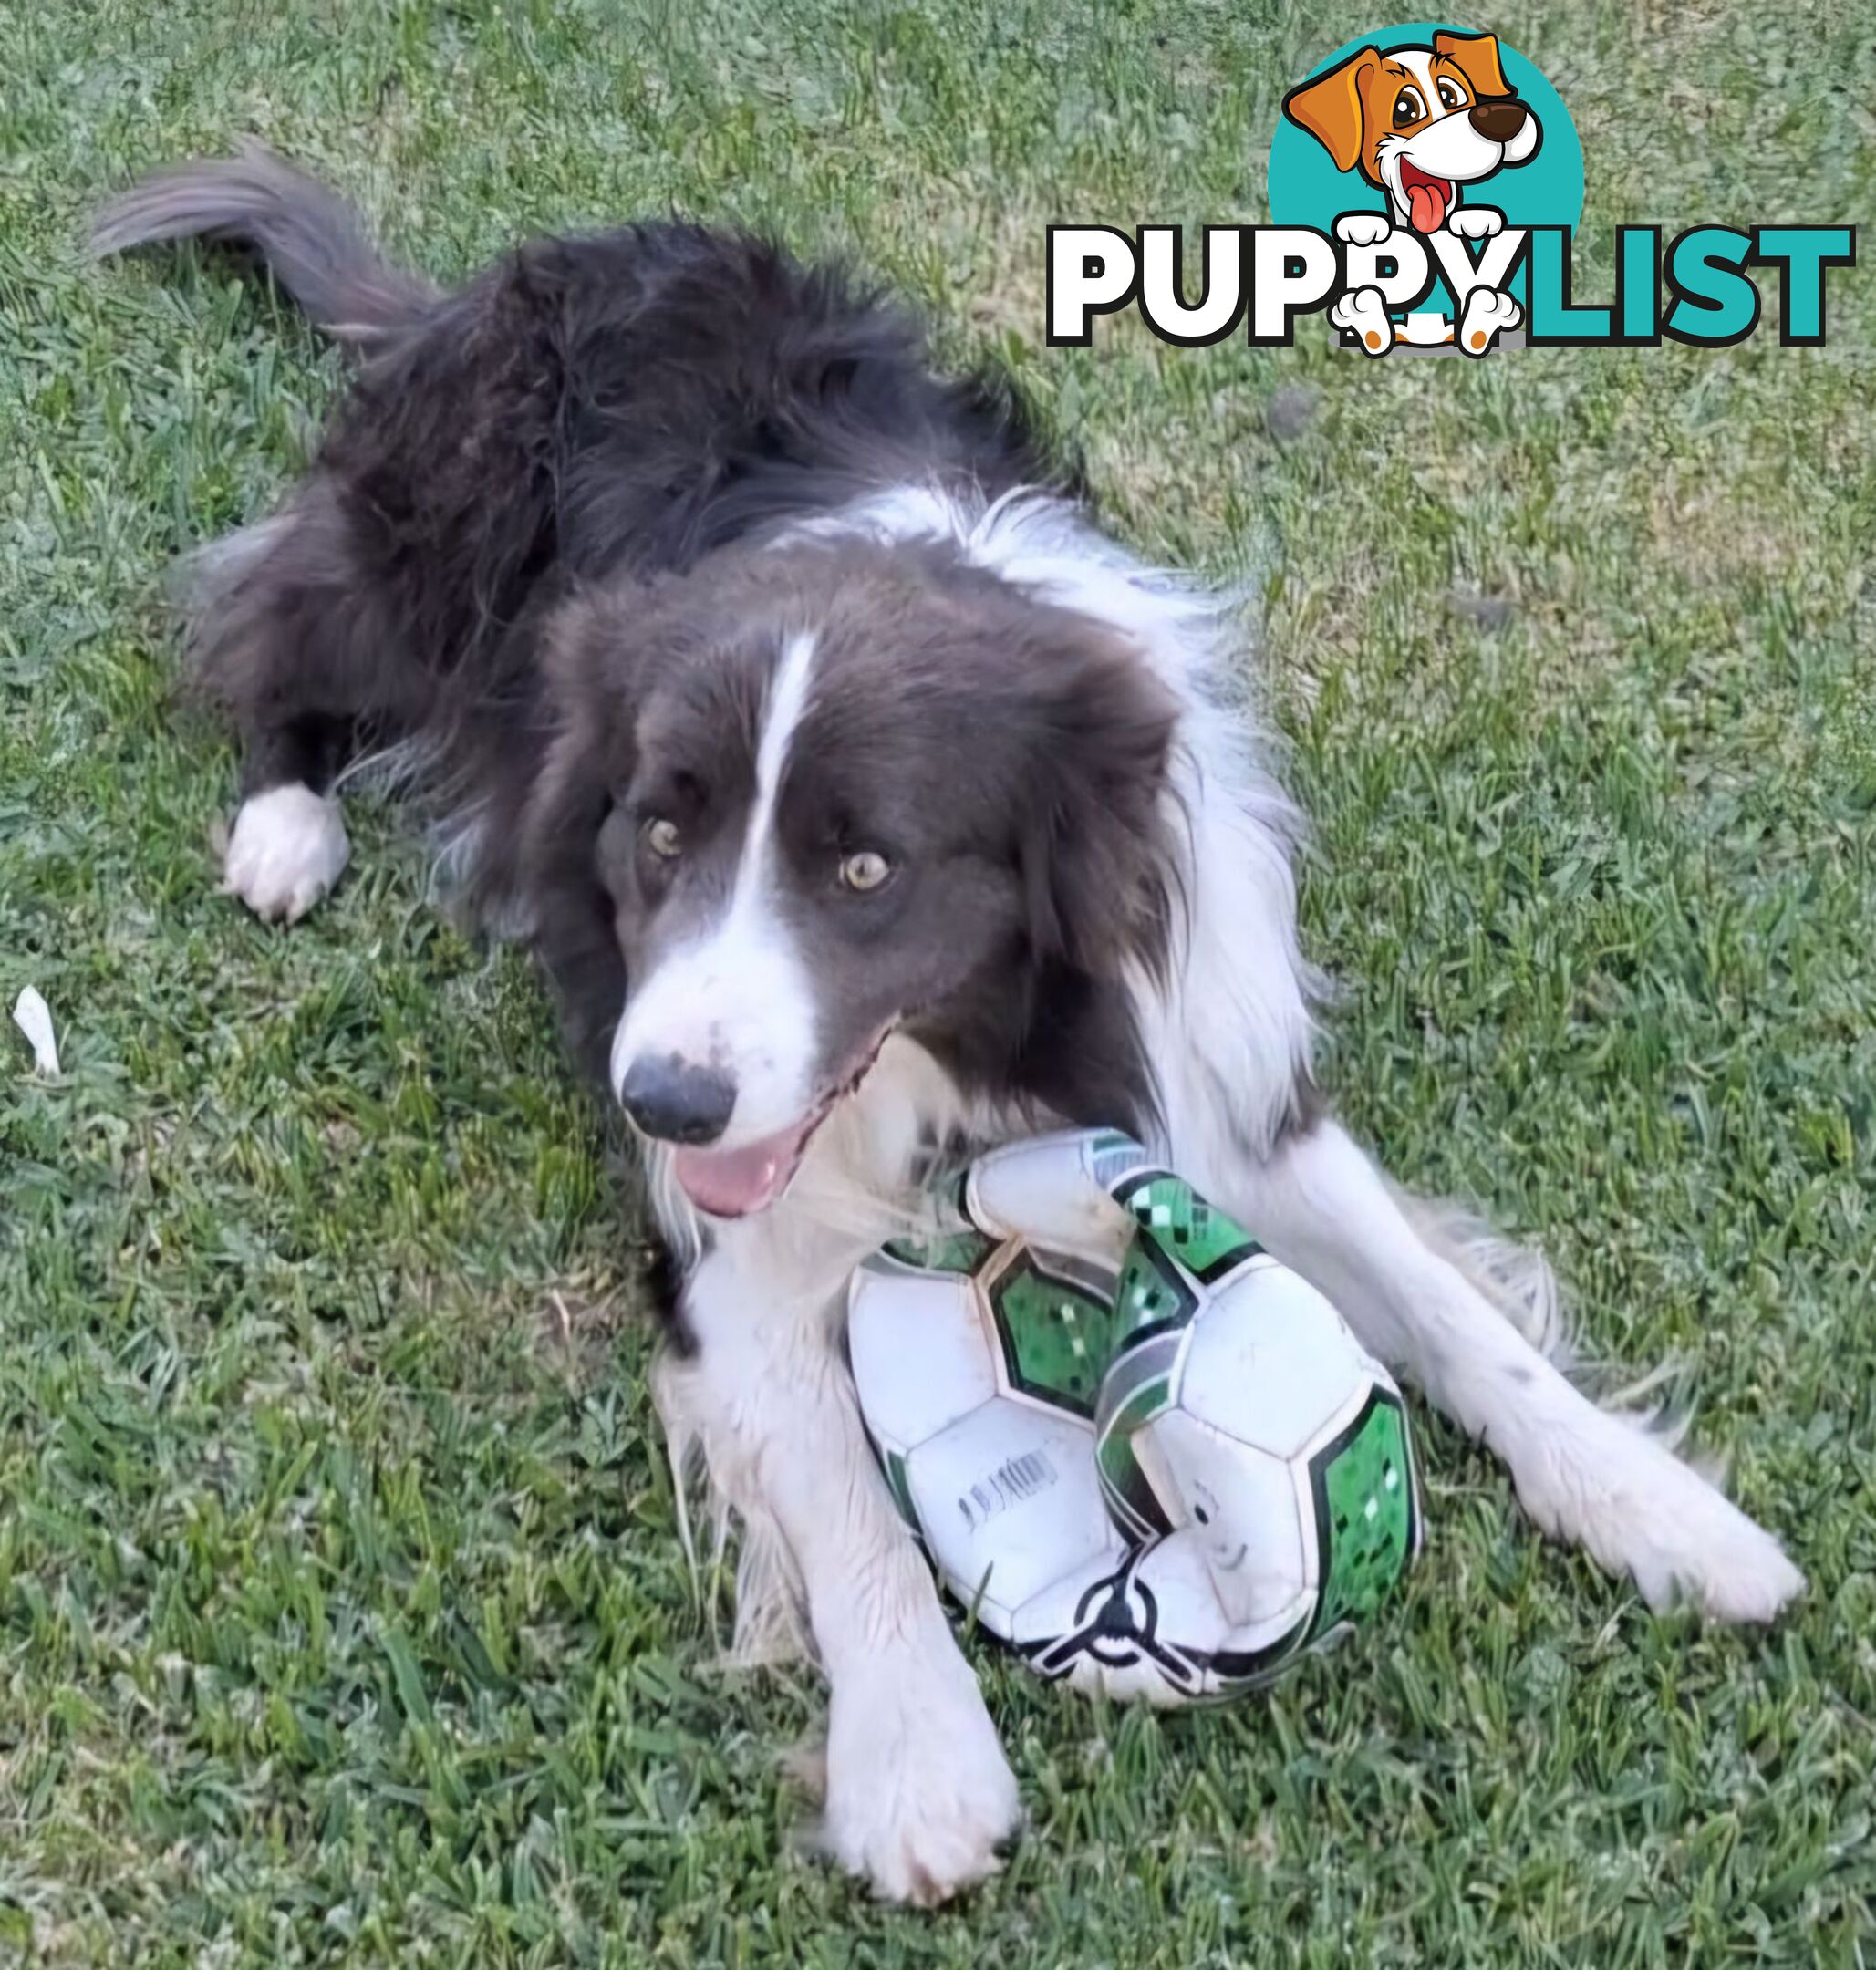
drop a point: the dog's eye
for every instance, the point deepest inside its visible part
(662, 836)
(865, 870)
(1409, 107)
(1451, 95)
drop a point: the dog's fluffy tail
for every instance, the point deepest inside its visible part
(309, 238)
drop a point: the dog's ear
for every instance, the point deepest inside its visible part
(1330, 108)
(1096, 848)
(1476, 57)
(587, 654)
(590, 657)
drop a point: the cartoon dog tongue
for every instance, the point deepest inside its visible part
(1426, 205)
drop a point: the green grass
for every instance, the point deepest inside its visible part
(341, 1613)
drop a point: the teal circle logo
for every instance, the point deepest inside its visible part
(1371, 125)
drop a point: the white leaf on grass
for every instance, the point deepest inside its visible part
(32, 1016)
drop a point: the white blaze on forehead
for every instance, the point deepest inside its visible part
(781, 712)
(738, 997)
(1418, 63)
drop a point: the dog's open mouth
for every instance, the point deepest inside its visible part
(1429, 199)
(736, 1183)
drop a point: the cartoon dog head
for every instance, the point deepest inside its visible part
(1419, 121)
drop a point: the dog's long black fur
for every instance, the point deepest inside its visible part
(614, 409)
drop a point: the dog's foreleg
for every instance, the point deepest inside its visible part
(919, 1794)
(1583, 1473)
(1476, 221)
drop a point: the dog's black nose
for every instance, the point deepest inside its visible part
(1498, 121)
(674, 1102)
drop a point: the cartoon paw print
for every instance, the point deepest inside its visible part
(1362, 228)
(1488, 313)
(1476, 221)
(1366, 314)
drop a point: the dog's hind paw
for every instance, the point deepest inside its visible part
(1621, 1492)
(1364, 314)
(1487, 315)
(287, 849)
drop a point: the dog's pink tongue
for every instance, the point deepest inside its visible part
(732, 1183)
(1426, 206)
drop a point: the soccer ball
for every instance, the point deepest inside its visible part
(1136, 1446)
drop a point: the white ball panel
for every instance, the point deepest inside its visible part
(1190, 1614)
(1187, 1618)
(1011, 1493)
(1276, 1626)
(922, 1355)
(1052, 1611)
(1268, 1360)
(1250, 1536)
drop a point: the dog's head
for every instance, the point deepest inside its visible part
(808, 797)
(1420, 122)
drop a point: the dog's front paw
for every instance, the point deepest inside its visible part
(919, 1794)
(287, 849)
(1641, 1511)
(1698, 1547)
(1364, 314)
(1362, 228)
(1476, 221)
(1488, 313)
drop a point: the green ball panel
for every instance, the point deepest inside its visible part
(1367, 1518)
(1058, 1338)
(1188, 1228)
(900, 1486)
(1131, 1501)
(1153, 1294)
(945, 1251)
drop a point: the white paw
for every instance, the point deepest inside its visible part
(1705, 1549)
(1362, 228)
(1365, 315)
(286, 850)
(1653, 1517)
(1488, 312)
(919, 1794)
(1476, 221)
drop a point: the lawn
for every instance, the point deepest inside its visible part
(342, 1617)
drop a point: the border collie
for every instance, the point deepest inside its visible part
(864, 802)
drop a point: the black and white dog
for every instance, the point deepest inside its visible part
(862, 800)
